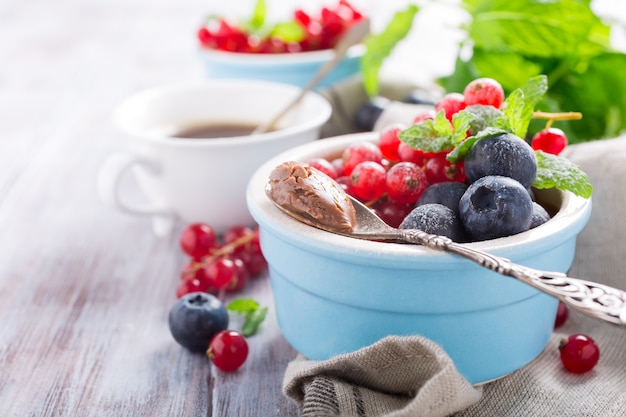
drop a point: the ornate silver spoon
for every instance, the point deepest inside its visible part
(592, 299)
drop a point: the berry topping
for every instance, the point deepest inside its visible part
(436, 219)
(502, 154)
(495, 206)
(486, 91)
(550, 140)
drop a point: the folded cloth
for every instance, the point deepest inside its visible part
(407, 376)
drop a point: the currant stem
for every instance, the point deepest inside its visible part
(224, 250)
(571, 115)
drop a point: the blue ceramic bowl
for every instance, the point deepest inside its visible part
(334, 294)
(296, 68)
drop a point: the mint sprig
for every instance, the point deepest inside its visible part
(379, 46)
(438, 135)
(557, 172)
(520, 105)
(252, 311)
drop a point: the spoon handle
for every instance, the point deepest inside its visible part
(590, 298)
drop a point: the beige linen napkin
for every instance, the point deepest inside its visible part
(395, 377)
(422, 381)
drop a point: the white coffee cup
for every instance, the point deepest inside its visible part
(202, 180)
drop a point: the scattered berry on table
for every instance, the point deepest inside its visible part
(197, 240)
(562, 313)
(579, 353)
(195, 319)
(224, 264)
(228, 350)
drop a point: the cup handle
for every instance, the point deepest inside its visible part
(111, 173)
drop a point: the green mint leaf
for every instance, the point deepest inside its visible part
(242, 305)
(430, 135)
(288, 32)
(484, 116)
(461, 150)
(258, 15)
(520, 105)
(462, 121)
(253, 314)
(379, 46)
(557, 172)
(253, 321)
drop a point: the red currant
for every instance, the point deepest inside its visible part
(197, 240)
(439, 169)
(392, 212)
(451, 103)
(389, 141)
(427, 115)
(485, 91)
(360, 152)
(550, 140)
(241, 276)
(221, 273)
(368, 180)
(337, 163)
(562, 313)
(190, 285)
(408, 154)
(405, 182)
(228, 350)
(579, 353)
(325, 166)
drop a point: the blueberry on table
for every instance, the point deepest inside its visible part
(195, 319)
(495, 206)
(502, 154)
(435, 219)
(447, 193)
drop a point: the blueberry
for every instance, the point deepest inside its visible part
(502, 154)
(447, 193)
(196, 318)
(435, 219)
(539, 216)
(495, 206)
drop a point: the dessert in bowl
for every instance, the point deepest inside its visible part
(289, 51)
(335, 294)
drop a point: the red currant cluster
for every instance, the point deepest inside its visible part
(579, 353)
(308, 32)
(217, 265)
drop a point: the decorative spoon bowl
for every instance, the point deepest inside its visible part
(336, 294)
